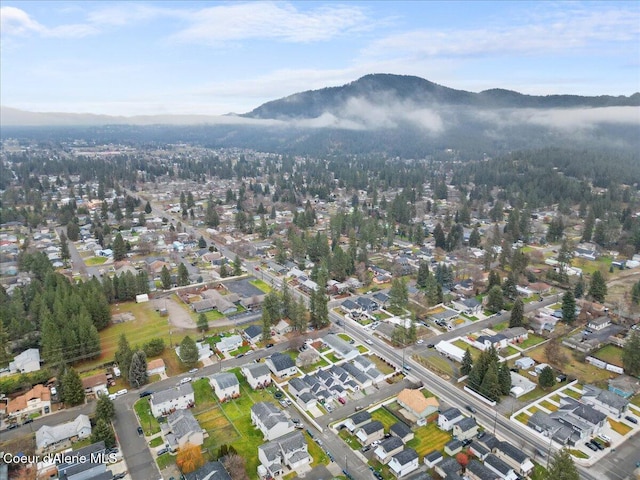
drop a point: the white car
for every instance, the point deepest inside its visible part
(193, 370)
(369, 341)
(420, 342)
(121, 392)
(533, 373)
(185, 380)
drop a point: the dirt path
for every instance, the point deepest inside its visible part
(179, 316)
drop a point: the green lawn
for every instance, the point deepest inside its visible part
(332, 357)
(349, 439)
(507, 352)
(156, 442)
(318, 455)
(147, 421)
(548, 405)
(385, 417)
(522, 417)
(619, 427)
(94, 261)
(437, 364)
(636, 400)
(610, 354)
(211, 315)
(204, 396)
(85, 442)
(428, 439)
(243, 349)
(345, 337)
(383, 367)
(500, 326)
(165, 460)
(572, 393)
(362, 349)
(381, 315)
(319, 364)
(261, 285)
(531, 341)
(578, 453)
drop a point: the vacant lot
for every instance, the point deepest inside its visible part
(429, 438)
(531, 341)
(584, 372)
(610, 354)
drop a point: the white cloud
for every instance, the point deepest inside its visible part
(17, 22)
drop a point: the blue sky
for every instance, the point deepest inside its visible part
(136, 58)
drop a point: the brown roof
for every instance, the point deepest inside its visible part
(416, 401)
(20, 402)
(94, 380)
(153, 364)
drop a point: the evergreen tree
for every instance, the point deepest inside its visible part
(203, 323)
(103, 432)
(504, 378)
(598, 287)
(562, 467)
(467, 363)
(202, 243)
(490, 386)
(568, 307)
(147, 208)
(578, 290)
(423, 275)
(165, 278)
(72, 389)
(183, 275)
(189, 352)
(494, 279)
(547, 378)
(517, 313)
(286, 301)
(119, 248)
(123, 356)
(631, 354)
(398, 294)
(266, 325)
(474, 238)
(138, 369)
(64, 248)
(5, 358)
(237, 266)
(105, 409)
(439, 237)
(495, 300)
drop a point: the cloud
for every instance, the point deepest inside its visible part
(15, 22)
(265, 20)
(537, 35)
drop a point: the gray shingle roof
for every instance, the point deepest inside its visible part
(182, 423)
(253, 331)
(171, 393)
(480, 471)
(224, 379)
(360, 417)
(391, 443)
(451, 413)
(269, 414)
(282, 361)
(496, 463)
(209, 471)
(405, 456)
(512, 452)
(372, 427)
(400, 429)
(257, 369)
(466, 424)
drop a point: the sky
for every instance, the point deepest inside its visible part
(213, 58)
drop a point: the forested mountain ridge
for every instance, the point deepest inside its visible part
(378, 88)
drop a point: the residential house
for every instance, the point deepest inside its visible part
(35, 401)
(167, 401)
(497, 341)
(342, 349)
(498, 466)
(525, 363)
(370, 432)
(95, 384)
(258, 375)
(417, 405)
(420, 476)
(584, 420)
(270, 420)
(624, 385)
(357, 420)
(363, 363)
(287, 452)
(605, 401)
(181, 428)
(449, 468)
(478, 450)
(350, 307)
(307, 401)
(281, 365)
(225, 385)
(515, 334)
(540, 367)
(465, 429)
(404, 462)
(209, 471)
(25, 362)
(53, 437)
(514, 457)
(543, 423)
(448, 418)
(382, 299)
(229, 344)
(362, 379)
(453, 447)
(253, 334)
(520, 385)
(599, 323)
(366, 304)
(85, 463)
(477, 471)
(468, 306)
(281, 328)
(297, 386)
(402, 431)
(388, 448)
(450, 350)
(156, 367)
(433, 458)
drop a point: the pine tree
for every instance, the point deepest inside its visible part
(237, 266)
(495, 299)
(474, 238)
(147, 208)
(138, 369)
(568, 307)
(123, 356)
(504, 378)
(517, 313)
(490, 386)
(103, 432)
(398, 294)
(266, 325)
(203, 323)
(578, 290)
(72, 389)
(631, 354)
(598, 287)
(119, 248)
(64, 247)
(4, 343)
(562, 467)
(165, 278)
(183, 275)
(467, 363)
(547, 378)
(224, 271)
(105, 409)
(189, 352)
(423, 275)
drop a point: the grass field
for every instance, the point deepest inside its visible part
(619, 427)
(475, 353)
(156, 442)
(500, 326)
(165, 460)
(147, 421)
(522, 417)
(261, 285)
(349, 439)
(94, 261)
(507, 352)
(203, 395)
(531, 341)
(385, 417)
(636, 400)
(332, 357)
(428, 439)
(572, 393)
(319, 364)
(437, 364)
(578, 453)
(582, 371)
(345, 337)
(383, 367)
(610, 354)
(548, 405)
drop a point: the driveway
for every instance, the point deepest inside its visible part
(178, 316)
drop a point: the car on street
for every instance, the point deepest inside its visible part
(470, 408)
(140, 432)
(358, 408)
(420, 342)
(342, 400)
(283, 403)
(369, 341)
(146, 393)
(185, 380)
(119, 476)
(162, 451)
(366, 448)
(299, 426)
(269, 345)
(431, 345)
(193, 370)
(406, 367)
(295, 420)
(28, 420)
(121, 392)
(11, 426)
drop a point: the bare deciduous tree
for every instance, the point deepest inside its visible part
(234, 464)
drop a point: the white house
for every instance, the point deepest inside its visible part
(498, 466)
(258, 375)
(449, 350)
(525, 363)
(57, 435)
(181, 428)
(25, 362)
(388, 448)
(465, 429)
(225, 385)
(448, 418)
(404, 462)
(370, 432)
(341, 349)
(357, 420)
(599, 323)
(287, 452)
(156, 367)
(270, 420)
(167, 401)
(281, 365)
(230, 343)
(514, 457)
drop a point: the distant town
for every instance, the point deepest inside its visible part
(182, 311)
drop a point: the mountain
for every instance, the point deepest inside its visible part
(377, 88)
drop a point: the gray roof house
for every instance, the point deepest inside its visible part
(258, 375)
(281, 365)
(433, 458)
(501, 468)
(271, 421)
(253, 333)
(543, 423)
(388, 448)
(604, 400)
(181, 428)
(584, 420)
(514, 457)
(25, 362)
(342, 349)
(175, 398)
(477, 471)
(78, 468)
(448, 418)
(404, 462)
(370, 432)
(357, 420)
(209, 471)
(225, 385)
(287, 453)
(465, 429)
(402, 431)
(52, 436)
(297, 386)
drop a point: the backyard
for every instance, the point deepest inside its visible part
(147, 421)
(610, 354)
(574, 368)
(429, 438)
(531, 341)
(385, 417)
(261, 285)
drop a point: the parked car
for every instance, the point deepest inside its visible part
(431, 345)
(162, 451)
(631, 419)
(406, 367)
(369, 341)
(466, 442)
(269, 345)
(28, 420)
(532, 373)
(481, 434)
(470, 408)
(193, 370)
(121, 392)
(119, 476)
(185, 380)
(591, 446)
(342, 400)
(299, 426)
(295, 420)
(146, 393)
(605, 437)
(140, 431)
(420, 341)
(597, 444)
(366, 448)
(358, 408)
